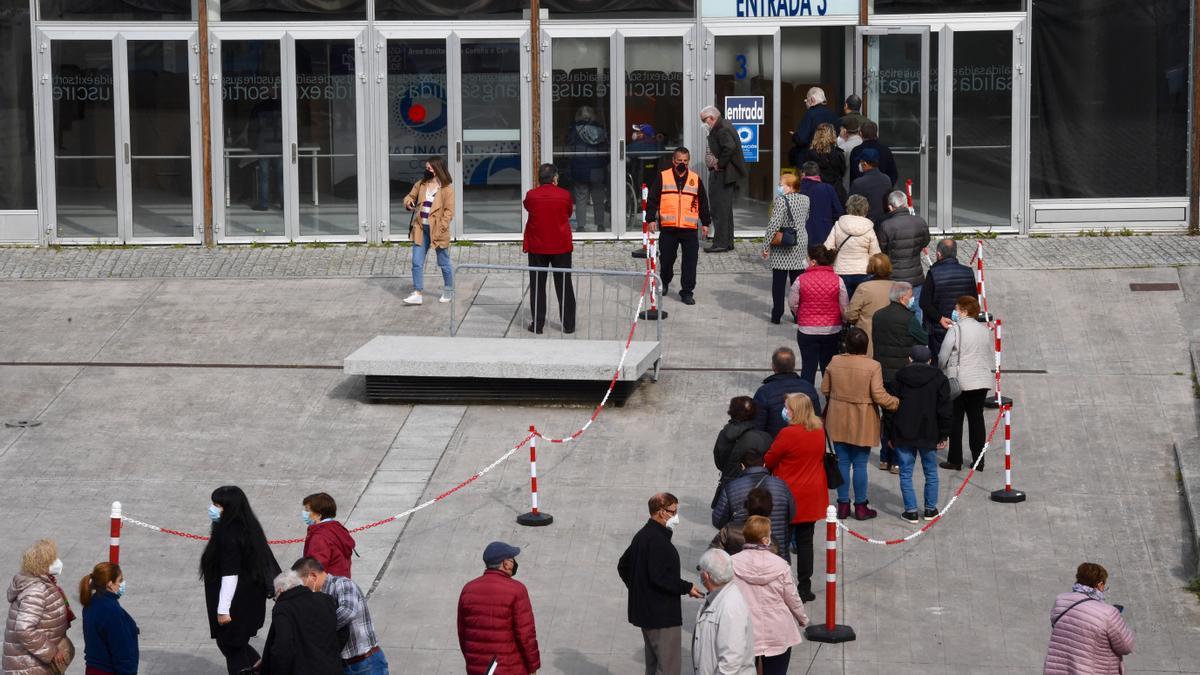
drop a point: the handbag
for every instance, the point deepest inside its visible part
(833, 474)
(786, 237)
(952, 375)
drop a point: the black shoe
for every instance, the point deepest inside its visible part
(775, 321)
(931, 513)
(531, 329)
(910, 517)
(687, 299)
(952, 467)
(980, 467)
(806, 596)
(569, 331)
(640, 253)
(718, 249)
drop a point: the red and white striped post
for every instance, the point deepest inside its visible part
(1008, 495)
(830, 631)
(114, 534)
(650, 246)
(999, 402)
(534, 518)
(908, 191)
(980, 284)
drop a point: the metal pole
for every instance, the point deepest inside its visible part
(1194, 201)
(205, 122)
(535, 82)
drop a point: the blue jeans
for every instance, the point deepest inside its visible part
(443, 261)
(929, 464)
(856, 456)
(917, 307)
(852, 281)
(375, 664)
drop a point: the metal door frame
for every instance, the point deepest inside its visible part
(920, 196)
(118, 36)
(286, 35)
(719, 29)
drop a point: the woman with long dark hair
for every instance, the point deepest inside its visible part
(237, 568)
(431, 201)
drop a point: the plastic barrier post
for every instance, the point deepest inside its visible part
(650, 253)
(114, 534)
(830, 631)
(908, 192)
(534, 518)
(1008, 495)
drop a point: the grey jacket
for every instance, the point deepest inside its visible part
(723, 643)
(902, 235)
(973, 365)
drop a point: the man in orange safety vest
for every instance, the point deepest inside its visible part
(678, 208)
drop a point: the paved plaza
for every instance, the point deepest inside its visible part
(162, 373)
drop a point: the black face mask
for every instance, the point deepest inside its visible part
(681, 168)
(514, 569)
(428, 175)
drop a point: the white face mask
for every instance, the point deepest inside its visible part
(673, 521)
(56, 567)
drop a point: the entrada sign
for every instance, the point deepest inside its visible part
(778, 8)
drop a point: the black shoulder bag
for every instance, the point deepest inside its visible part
(833, 474)
(786, 237)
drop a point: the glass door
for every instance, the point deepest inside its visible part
(122, 136)
(287, 119)
(894, 84)
(743, 64)
(978, 126)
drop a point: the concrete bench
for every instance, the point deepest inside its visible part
(471, 369)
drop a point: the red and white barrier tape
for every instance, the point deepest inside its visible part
(949, 504)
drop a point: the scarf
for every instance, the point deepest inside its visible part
(1088, 591)
(815, 179)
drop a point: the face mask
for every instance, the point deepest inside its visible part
(307, 518)
(428, 175)
(214, 513)
(673, 521)
(912, 302)
(680, 167)
(786, 415)
(954, 316)
(121, 589)
(56, 567)
(779, 190)
(514, 569)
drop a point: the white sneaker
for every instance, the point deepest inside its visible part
(414, 299)
(447, 296)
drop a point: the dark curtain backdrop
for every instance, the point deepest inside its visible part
(938, 6)
(18, 177)
(416, 9)
(1110, 98)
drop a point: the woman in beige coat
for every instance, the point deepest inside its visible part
(871, 296)
(431, 201)
(38, 616)
(853, 237)
(853, 387)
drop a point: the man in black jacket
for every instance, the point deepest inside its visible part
(887, 163)
(303, 636)
(946, 282)
(872, 184)
(902, 236)
(774, 390)
(894, 331)
(726, 168)
(920, 426)
(650, 570)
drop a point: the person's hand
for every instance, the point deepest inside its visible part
(223, 619)
(704, 231)
(695, 592)
(946, 323)
(652, 226)
(409, 203)
(765, 255)
(61, 658)
(943, 444)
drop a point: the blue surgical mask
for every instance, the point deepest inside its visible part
(307, 518)
(912, 302)
(785, 414)
(214, 513)
(121, 589)
(779, 190)
(954, 316)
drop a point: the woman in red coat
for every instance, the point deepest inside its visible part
(798, 457)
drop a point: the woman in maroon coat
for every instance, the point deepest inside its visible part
(798, 457)
(327, 540)
(495, 618)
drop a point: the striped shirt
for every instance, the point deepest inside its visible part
(353, 617)
(427, 205)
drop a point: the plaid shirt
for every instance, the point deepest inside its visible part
(353, 617)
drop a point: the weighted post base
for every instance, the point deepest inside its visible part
(652, 314)
(1008, 496)
(640, 253)
(990, 402)
(532, 519)
(821, 633)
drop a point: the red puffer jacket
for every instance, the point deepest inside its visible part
(816, 298)
(495, 619)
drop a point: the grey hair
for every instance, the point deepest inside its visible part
(857, 205)
(816, 95)
(897, 199)
(719, 566)
(948, 248)
(286, 581)
(898, 290)
(710, 110)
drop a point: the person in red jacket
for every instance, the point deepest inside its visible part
(327, 540)
(798, 457)
(495, 618)
(548, 243)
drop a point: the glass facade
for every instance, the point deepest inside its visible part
(291, 10)
(18, 183)
(581, 127)
(417, 118)
(945, 6)
(114, 10)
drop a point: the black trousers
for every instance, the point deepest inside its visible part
(670, 239)
(816, 351)
(562, 289)
(781, 281)
(969, 404)
(721, 198)
(238, 657)
(802, 534)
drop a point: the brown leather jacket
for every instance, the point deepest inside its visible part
(440, 215)
(853, 386)
(37, 622)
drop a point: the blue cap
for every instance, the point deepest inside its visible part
(497, 552)
(920, 354)
(869, 155)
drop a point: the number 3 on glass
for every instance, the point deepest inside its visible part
(741, 71)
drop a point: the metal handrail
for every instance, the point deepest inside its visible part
(562, 270)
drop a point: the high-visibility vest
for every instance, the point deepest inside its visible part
(679, 205)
